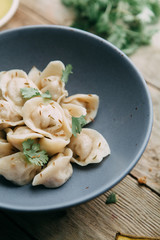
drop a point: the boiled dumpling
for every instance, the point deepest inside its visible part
(50, 79)
(33, 75)
(46, 117)
(88, 147)
(16, 168)
(57, 172)
(72, 110)
(5, 147)
(8, 115)
(20, 134)
(10, 83)
(90, 102)
(54, 145)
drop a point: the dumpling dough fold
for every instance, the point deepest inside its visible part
(16, 169)
(10, 83)
(20, 134)
(50, 79)
(45, 117)
(8, 116)
(88, 147)
(5, 147)
(57, 172)
(88, 101)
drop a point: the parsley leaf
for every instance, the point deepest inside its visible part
(66, 72)
(33, 153)
(46, 95)
(77, 124)
(33, 92)
(29, 92)
(126, 24)
(112, 198)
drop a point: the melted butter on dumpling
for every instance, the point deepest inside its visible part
(88, 147)
(20, 134)
(16, 168)
(90, 102)
(11, 82)
(8, 115)
(45, 117)
(57, 172)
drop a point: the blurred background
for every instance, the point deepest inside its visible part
(128, 24)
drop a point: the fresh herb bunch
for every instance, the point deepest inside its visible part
(125, 23)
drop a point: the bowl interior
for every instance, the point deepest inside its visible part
(124, 117)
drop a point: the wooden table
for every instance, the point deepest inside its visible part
(138, 208)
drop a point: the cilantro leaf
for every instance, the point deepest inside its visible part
(77, 124)
(112, 198)
(33, 153)
(126, 24)
(46, 95)
(66, 72)
(29, 92)
(33, 92)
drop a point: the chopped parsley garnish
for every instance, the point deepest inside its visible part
(33, 153)
(28, 93)
(77, 124)
(46, 95)
(112, 198)
(66, 72)
(126, 24)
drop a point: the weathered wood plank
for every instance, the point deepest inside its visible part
(23, 17)
(9, 231)
(54, 11)
(147, 60)
(136, 212)
(149, 164)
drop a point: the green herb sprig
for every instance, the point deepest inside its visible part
(126, 24)
(33, 153)
(28, 93)
(77, 124)
(66, 73)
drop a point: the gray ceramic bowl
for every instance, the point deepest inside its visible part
(124, 117)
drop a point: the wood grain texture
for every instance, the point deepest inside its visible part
(147, 60)
(53, 11)
(149, 164)
(136, 212)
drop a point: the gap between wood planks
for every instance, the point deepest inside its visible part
(147, 186)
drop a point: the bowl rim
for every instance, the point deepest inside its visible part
(103, 189)
(10, 13)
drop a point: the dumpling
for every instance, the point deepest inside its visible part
(57, 172)
(19, 135)
(16, 168)
(5, 147)
(72, 110)
(50, 79)
(55, 145)
(90, 102)
(33, 75)
(46, 117)
(10, 83)
(8, 116)
(88, 147)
